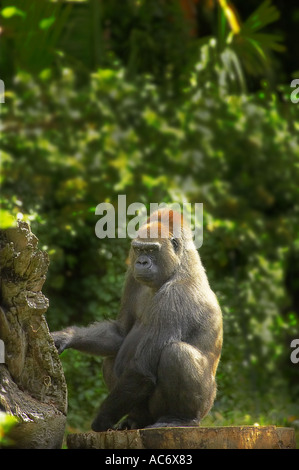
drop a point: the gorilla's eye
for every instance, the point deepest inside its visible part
(175, 244)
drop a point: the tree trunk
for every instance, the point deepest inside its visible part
(32, 383)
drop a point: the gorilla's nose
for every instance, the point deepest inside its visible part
(143, 262)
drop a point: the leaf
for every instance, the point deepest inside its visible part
(254, 47)
(46, 23)
(7, 220)
(6, 423)
(231, 16)
(232, 63)
(261, 17)
(9, 12)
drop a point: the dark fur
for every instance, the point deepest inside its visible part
(163, 350)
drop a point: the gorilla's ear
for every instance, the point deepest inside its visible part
(175, 243)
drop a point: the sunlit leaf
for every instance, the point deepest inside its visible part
(46, 23)
(7, 220)
(231, 16)
(9, 12)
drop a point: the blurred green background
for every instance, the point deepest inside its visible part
(162, 100)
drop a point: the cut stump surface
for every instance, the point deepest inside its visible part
(228, 437)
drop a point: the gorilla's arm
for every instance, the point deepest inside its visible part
(101, 339)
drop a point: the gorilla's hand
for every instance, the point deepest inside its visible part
(63, 339)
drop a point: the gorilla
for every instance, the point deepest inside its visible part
(162, 351)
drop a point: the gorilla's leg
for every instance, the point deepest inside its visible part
(108, 372)
(138, 418)
(185, 389)
(130, 393)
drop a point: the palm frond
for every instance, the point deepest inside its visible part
(265, 14)
(255, 48)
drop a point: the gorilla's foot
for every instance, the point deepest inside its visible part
(169, 421)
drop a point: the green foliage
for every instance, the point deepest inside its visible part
(239, 49)
(83, 400)
(255, 47)
(141, 36)
(7, 422)
(31, 30)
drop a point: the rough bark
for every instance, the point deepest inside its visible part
(32, 383)
(227, 437)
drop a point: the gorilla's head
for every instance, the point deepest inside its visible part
(157, 251)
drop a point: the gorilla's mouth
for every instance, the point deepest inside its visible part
(143, 276)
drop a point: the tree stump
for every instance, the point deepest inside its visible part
(32, 383)
(228, 437)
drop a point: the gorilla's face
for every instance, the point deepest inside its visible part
(154, 261)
